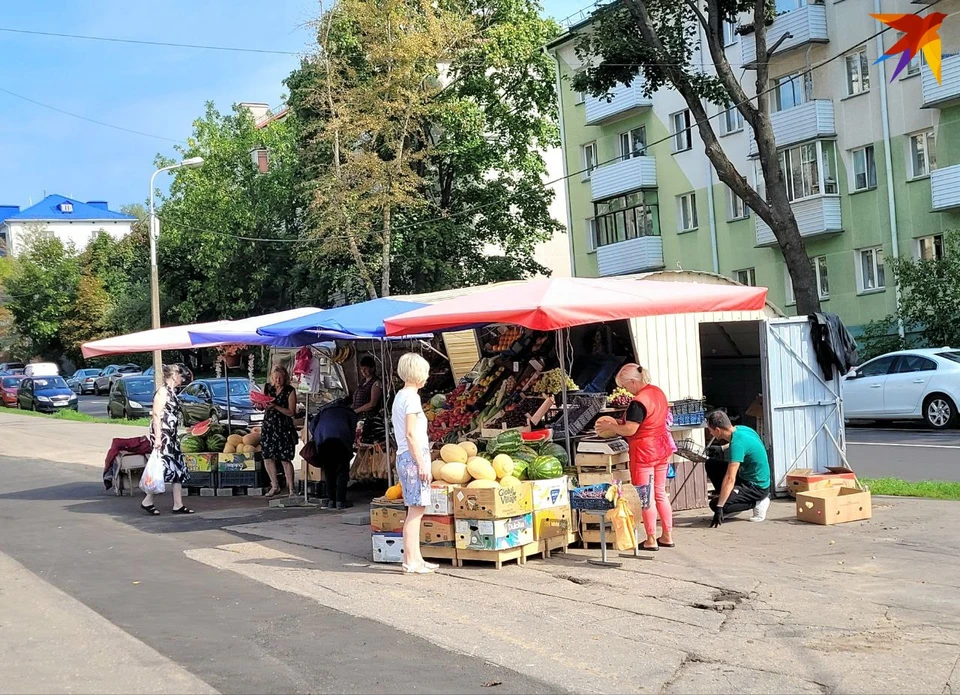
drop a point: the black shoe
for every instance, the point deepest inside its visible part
(344, 505)
(327, 504)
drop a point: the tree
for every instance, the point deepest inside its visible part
(930, 293)
(658, 39)
(90, 317)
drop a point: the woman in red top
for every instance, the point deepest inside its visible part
(646, 430)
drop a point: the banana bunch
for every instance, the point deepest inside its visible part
(342, 354)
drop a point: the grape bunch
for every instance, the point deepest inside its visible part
(620, 398)
(552, 382)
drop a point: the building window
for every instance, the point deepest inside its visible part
(732, 120)
(864, 169)
(687, 212)
(591, 225)
(870, 275)
(623, 218)
(788, 287)
(930, 248)
(736, 208)
(792, 90)
(589, 159)
(858, 72)
(66, 207)
(923, 154)
(823, 280)
(789, 5)
(809, 169)
(916, 61)
(581, 97)
(682, 137)
(633, 143)
(729, 33)
(747, 276)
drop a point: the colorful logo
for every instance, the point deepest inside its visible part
(920, 34)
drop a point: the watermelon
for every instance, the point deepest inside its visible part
(507, 442)
(544, 467)
(200, 429)
(216, 442)
(192, 445)
(555, 450)
(525, 454)
(520, 469)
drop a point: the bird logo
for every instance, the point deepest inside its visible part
(920, 34)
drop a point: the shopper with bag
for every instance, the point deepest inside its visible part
(166, 447)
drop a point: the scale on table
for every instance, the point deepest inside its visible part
(602, 445)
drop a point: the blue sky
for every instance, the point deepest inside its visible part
(155, 90)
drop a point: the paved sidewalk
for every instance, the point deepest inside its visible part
(59, 440)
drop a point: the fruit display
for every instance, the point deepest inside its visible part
(192, 445)
(200, 429)
(620, 398)
(341, 354)
(544, 467)
(217, 442)
(552, 382)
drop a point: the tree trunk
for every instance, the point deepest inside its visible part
(385, 277)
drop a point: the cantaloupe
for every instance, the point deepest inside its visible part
(503, 465)
(230, 448)
(394, 492)
(481, 469)
(469, 447)
(509, 481)
(453, 453)
(252, 439)
(484, 483)
(235, 439)
(435, 468)
(455, 473)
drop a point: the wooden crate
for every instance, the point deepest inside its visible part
(590, 533)
(498, 557)
(688, 489)
(441, 552)
(597, 463)
(598, 477)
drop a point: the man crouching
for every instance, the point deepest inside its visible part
(742, 481)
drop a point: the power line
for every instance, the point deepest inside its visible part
(143, 42)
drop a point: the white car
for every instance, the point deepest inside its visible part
(906, 385)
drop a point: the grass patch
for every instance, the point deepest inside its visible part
(931, 489)
(74, 416)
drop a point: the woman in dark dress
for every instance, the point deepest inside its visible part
(163, 436)
(279, 435)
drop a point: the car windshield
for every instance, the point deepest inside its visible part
(90, 372)
(50, 382)
(237, 388)
(128, 368)
(11, 382)
(952, 356)
(139, 387)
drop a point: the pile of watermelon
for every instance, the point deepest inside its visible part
(207, 437)
(541, 463)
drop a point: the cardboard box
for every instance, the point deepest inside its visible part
(492, 503)
(441, 499)
(550, 493)
(387, 547)
(237, 462)
(494, 534)
(806, 479)
(555, 521)
(607, 461)
(438, 530)
(201, 463)
(387, 519)
(834, 505)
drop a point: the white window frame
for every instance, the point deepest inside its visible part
(913, 69)
(731, 113)
(867, 154)
(805, 160)
(681, 133)
(789, 298)
(687, 220)
(631, 152)
(581, 97)
(932, 239)
(585, 164)
(805, 93)
(929, 145)
(746, 276)
(797, 4)
(822, 271)
(590, 224)
(856, 72)
(730, 35)
(736, 208)
(877, 266)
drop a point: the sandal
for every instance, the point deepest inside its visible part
(665, 545)
(274, 491)
(181, 510)
(423, 569)
(649, 550)
(431, 565)
(151, 510)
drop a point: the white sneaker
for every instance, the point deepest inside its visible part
(760, 510)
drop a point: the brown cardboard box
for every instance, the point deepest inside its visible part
(806, 479)
(441, 499)
(387, 519)
(438, 530)
(555, 521)
(492, 503)
(833, 505)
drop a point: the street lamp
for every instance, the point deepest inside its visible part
(191, 163)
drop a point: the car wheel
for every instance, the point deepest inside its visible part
(940, 412)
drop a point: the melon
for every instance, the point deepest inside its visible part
(216, 442)
(484, 483)
(455, 473)
(200, 428)
(481, 469)
(191, 445)
(453, 453)
(235, 439)
(503, 465)
(435, 468)
(252, 439)
(509, 481)
(230, 448)
(394, 492)
(544, 468)
(469, 447)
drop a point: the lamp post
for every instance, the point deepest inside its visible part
(154, 234)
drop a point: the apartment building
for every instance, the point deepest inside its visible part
(873, 167)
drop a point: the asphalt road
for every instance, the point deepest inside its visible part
(93, 405)
(234, 634)
(908, 452)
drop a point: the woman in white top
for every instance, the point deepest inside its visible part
(413, 457)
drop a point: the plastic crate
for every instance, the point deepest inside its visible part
(238, 479)
(202, 479)
(690, 450)
(584, 408)
(590, 497)
(689, 411)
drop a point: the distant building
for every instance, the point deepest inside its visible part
(67, 219)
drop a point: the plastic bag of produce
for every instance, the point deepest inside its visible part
(151, 482)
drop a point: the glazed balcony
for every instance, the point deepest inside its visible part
(945, 188)
(631, 256)
(807, 24)
(623, 176)
(621, 101)
(815, 216)
(940, 96)
(814, 119)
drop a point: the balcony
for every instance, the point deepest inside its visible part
(631, 256)
(807, 24)
(801, 123)
(623, 176)
(946, 94)
(945, 188)
(815, 216)
(622, 102)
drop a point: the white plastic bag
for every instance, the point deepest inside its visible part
(151, 481)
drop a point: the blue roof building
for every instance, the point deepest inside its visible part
(71, 220)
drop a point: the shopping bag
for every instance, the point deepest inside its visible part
(151, 480)
(623, 525)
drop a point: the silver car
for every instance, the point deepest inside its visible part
(103, 383)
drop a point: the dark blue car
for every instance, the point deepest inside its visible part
(46, 394)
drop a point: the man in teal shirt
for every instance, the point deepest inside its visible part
(741, 482)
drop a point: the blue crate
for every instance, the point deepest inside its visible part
(584, 498)
(239, 479)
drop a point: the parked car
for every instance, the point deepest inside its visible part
(12, 367)
(41, 369)
(46, 394)
(184, 372)
(9, 385)
(906, 385)
(103, 383)
(131, 397)
(82, 380)
(205, 398)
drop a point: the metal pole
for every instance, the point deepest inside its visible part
(563, 401)
(386, 415)
(154, 234)
(226, 374)
(306, 438)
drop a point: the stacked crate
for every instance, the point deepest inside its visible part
(438, 530)
(594, 469)
(552, 516)
(494, 524)
(386, 529)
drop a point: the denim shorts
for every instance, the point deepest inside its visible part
(416, 493)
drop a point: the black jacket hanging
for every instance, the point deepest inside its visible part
(834, 345)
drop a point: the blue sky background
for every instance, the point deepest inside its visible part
(151, 89)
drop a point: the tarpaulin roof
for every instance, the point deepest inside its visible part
(552, 303)
(245, 331)
(364, 320)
